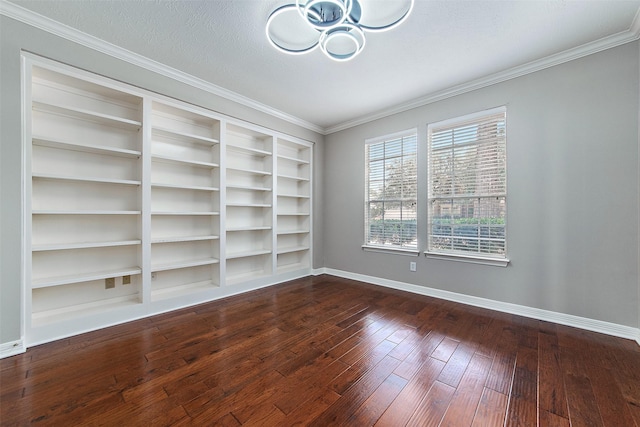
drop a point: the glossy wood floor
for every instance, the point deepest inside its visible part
(327, 351)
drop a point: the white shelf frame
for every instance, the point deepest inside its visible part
(263, 263)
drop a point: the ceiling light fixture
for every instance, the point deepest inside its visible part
(336, 26)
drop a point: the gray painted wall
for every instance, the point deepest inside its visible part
(16, 36)
(572, 149)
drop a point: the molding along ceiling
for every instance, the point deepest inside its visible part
(444, 49)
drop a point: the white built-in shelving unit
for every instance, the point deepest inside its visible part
(185, 201)
(249, 204)
(84, 196)
(294, 205)
(140, 204)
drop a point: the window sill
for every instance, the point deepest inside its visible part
(497, 262)
(394, 251)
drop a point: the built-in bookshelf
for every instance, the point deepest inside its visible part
(249, 204)
(185, 201)
(84, 196)
(294, 205)
(140, 204)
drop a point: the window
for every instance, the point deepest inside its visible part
(391, 191)
(467, 186)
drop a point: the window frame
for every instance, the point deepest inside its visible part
(471, 257)
(394, 249)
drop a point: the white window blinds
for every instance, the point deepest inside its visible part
(391, 191)
(467, 185)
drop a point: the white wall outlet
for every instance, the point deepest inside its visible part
(413, 266)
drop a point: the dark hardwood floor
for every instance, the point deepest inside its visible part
(326, 351)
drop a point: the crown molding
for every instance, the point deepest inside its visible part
(46, 24)
(614, 40)
(61, 30)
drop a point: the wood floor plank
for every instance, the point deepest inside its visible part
(465, 400)
(400, 410)
(492, 409)
(372, 408)
(433, 407)
(326, 351)
(551, 394)
(350, 401)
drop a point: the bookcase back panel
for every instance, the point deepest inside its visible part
(82, 95)
(65, 229)
(164, 253)
(248, 196)
(53, 264)
(248, 241)
(183, 226)
(185, 122)
(183, 148)
(83, 132)
(246, 216)
(293, 205)
(182, 174)
(167, 282)
(84, 196)
(293, 223)
(183, 200)
(75, 297)
(79, 164)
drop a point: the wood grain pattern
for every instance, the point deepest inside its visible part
(327, 351)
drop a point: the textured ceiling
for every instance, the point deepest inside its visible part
(441, 45)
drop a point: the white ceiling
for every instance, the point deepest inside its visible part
(442, 45)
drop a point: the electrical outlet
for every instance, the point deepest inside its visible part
(110, 283)
(413, 266)
(126, 280)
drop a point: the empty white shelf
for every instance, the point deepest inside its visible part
(170, 159)
(292, 249)
(83, 245)
(191, 136)
(184, 264)
(83, 277)
(83, 212)
(295, 196)
(85, 179)
(294, 159)
(285, 232)
(255, 151)
(184, 187)
(182, 239)
(86, 114)
(249, 171)
(188, 213)
(44, 141)
(251, 253)
(250, 228)
(246, 187)
(295, 178)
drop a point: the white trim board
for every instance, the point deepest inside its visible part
(505, 307)
(31, 18)
(12, 348)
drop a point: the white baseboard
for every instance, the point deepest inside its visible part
(12, 348)
(521, 310)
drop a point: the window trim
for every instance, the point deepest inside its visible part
(396, 250)
(479, 258)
